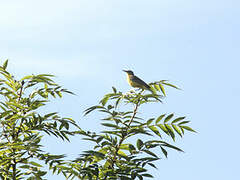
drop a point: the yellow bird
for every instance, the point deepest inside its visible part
(136, 82)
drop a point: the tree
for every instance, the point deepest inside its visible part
(23, 126)
(125, 149)
(120, 152)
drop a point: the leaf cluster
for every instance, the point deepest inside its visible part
(115, 155)
(126, 148)
(22, 126)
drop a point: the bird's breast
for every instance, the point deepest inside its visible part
(131, 82)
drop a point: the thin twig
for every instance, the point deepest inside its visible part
(125, 135)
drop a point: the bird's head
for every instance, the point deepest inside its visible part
(129, 72)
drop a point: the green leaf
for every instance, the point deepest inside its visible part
(164, 151)
(162, 127)
(150, 153)
(151, 164)
(99, 139)
(45, 75)
(183, 122)
(26, 77)
(114, 89)
(87, 111)
(162, 89)
(157, 87)
(121, 153)
(177, 129)
(168, 118)
(171, 85)
(155, 130)
(110, 125)
(172, 147)
(104, 143)
(25, 166)
(5, 64)
(124, 146)
(178, 119)
(159, 118)
(150, 121)
(117, 102)
(42, 173)
(170, 130)
(95, 153)
(153, 90)
(45, 86)
(139, 144)
(139, 177)
(109, 107)
(147, 175)
(133, 175)
(131, 147)
(188, 128)
(35, 164)
(50, 114)
(59, 94)
(104, 100)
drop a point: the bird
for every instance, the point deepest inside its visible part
(135, 81)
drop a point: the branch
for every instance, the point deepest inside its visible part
(14, 165)
(125, 135)
(20, 93)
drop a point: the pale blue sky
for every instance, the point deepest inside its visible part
(193, 43)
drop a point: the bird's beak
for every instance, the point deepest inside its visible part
(124, 71)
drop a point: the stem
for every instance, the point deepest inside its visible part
(20, 93)
(125, 135)
(15, 134)
(14, 168)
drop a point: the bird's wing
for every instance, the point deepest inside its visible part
(141, 82)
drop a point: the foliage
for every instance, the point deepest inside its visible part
(130, 144)
(22, 126)
(125, 149)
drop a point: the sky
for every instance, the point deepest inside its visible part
(87, 43)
